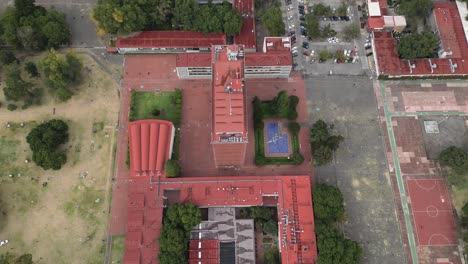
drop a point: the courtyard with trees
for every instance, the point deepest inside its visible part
(281, 107)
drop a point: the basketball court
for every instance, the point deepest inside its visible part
(432, 212)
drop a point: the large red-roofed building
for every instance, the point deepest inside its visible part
(291, 194)
(453, 55)
(229, 124)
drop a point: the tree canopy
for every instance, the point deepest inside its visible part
(328, 203)
(416, 46)
(44, 141)
(273, 21)
(17, 89)
(173, 241)
(31, 27)
(323, 143)
(416, 8)
(123, 17)
(61, 73)
(332, 246)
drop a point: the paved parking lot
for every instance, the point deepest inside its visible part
(359, 168)
(309, 65)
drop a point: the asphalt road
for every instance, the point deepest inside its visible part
(359, 169)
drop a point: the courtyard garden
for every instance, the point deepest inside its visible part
(281, 132)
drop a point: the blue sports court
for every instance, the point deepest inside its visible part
(277, 141)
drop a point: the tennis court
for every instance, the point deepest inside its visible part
(432, 212)
(277, 141)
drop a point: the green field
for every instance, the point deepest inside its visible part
(118, 249)
(153, 105)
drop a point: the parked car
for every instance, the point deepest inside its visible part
(369, 54)
(302, 18)
(302, 12)
(290, 17)
(295, 65)
(294, 54)
(302, 24)
(305, 45)
(305, 53)
(291, 33)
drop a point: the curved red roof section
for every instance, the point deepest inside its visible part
(150, 147)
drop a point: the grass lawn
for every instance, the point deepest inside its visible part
(153, 105)
(118, 249)
(60, 216)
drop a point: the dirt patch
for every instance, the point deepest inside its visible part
(61, 216)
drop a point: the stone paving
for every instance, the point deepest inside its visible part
(406, 105)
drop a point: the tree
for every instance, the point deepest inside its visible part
(207, 20)
(60, 74)
(328, 203)
(294, 127)
(416, 46)
(313, 26)
(121, 18)
(172, 168)
(32, 27)
(16, 89)
(416, 8)
(24, 8)
(323, 143)
(261, 213)
(56, 30)
(44, 141)
(341, 10)
(352, 31)
(270, 227)
(232, 22)
(178, 222)
(280, 104)
(184, 14)
(273, 21)
(272, 256)
(322, 155)
(456, 158)
(7, 57)
(31, 68)
(321, 10)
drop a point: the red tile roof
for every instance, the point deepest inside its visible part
(272, 58)
(277, 44)
(448, 37)
(193, 60)
(375, 22)
(294, 204)
(150, 147)
(245, 7)
(229, 154)
(385, 51)
(171, 39)
(228, 92)
(204, 252)
(247, 36)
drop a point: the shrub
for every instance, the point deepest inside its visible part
(7, 57)
(292, 115)
(31, 68)
(456, 158)
(270, 227)
(12, 107)
(294, 127)
(172, 168)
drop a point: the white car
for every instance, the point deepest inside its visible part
(290, 17)
(290, 8)
(291, 26)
